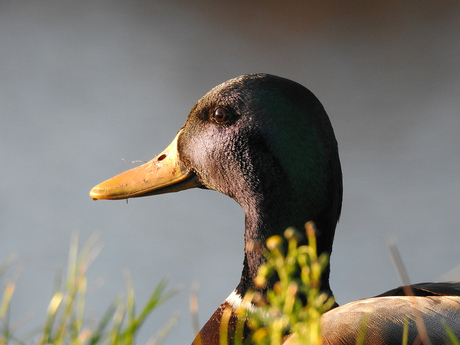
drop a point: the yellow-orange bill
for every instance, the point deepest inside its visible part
(163, 174)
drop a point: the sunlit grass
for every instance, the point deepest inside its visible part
(295, 304)
(66, 321)
(290, 313)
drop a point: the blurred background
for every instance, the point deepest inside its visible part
(86, 87)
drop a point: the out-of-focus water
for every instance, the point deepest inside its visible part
(84, 85)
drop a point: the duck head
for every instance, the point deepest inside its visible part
(264, 141)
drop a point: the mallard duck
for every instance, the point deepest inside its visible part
(267, 142)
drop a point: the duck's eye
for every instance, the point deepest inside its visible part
(221, 115)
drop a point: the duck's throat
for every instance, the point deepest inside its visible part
(262, 225)
(259, 226)
(254, 248)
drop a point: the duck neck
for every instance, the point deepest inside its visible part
(261, 223)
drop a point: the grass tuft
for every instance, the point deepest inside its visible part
(65, 321)
(295, 303)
